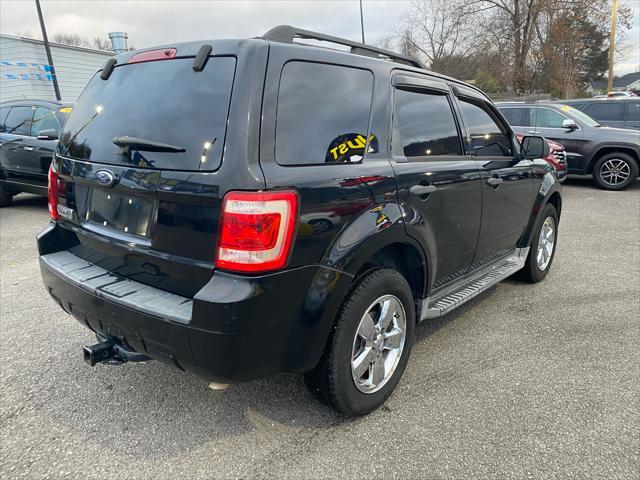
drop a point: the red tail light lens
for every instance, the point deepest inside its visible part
(256, 230)
(52, 193)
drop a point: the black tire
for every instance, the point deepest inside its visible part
(331, 381)
(5, 198)
(602, 166)
(532, 272)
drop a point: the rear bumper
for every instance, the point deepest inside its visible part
(235, 329)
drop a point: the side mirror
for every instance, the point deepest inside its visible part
(48, 134)
(534, 147)
(569, 124)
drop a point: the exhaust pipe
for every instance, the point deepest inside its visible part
(110, 353)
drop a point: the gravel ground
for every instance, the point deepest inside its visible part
(526, 381)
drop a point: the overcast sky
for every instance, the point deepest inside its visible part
(153, 22)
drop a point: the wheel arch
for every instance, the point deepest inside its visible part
(550, 191)
(408, 260)
(606, 149)
(555, 199)
(390, 247)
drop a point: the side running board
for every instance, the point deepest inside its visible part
(451, 297)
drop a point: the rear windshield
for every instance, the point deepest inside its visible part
(165, 102)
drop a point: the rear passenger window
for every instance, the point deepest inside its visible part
(606, 111)
(633, 112)
(323, 114)
(487, 136)
(517, 117)
(19, 121)
(425, 124)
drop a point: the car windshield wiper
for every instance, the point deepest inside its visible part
(145, 145)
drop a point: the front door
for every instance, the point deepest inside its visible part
(548, 123)
(438, 185)
(41, 151)
(507, 183)
(13, 156)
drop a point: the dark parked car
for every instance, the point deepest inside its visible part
(619, 112)
(188, 184)
(29, 131)
(612, 155)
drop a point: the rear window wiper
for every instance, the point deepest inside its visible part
(145, 145)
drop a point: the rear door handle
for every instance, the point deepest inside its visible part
(422, 189)
(534, 131)
(494, 181)
(29, 149)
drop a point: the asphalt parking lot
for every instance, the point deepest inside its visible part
(526, 381)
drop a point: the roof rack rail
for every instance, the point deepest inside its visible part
(287, 33)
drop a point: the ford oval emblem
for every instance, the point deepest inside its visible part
(106, 178)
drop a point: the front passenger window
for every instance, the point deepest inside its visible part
(546, 118)
(44, 119)
(488, 137)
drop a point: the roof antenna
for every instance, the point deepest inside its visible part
(361, 22)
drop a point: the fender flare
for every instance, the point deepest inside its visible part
(550, 191)
(374, 229)
(630, 148)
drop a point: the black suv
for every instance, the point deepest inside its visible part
(612, 155)
(28, 133)
(619, 112)
(240, 208)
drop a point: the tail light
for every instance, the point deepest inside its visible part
(256, 230)
(52, 193)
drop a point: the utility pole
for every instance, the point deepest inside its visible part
(362, 21)
(612, 45)
(56, 88)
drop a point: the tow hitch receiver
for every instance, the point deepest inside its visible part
(110, 353)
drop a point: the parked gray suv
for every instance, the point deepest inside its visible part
(612, 155)
(619, 112)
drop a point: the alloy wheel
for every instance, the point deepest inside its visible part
(546, 242)
(615, 172)
(378, 344)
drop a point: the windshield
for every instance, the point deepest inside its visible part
(580, 116)
(159, 102)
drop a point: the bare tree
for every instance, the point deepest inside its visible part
(78, 41)
(437, 29)
(72, 39)
(519, 19)
(102, 44)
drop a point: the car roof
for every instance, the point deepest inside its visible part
(528, 104)
(603, 99)
(36, 102)
(233, 46)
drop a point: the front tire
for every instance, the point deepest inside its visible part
(5, 198)
(369, 347)
(543, 246)
(615, 171)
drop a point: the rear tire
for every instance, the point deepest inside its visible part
(364, 359)
(543, 247)
(5, 198)
(615, 171)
